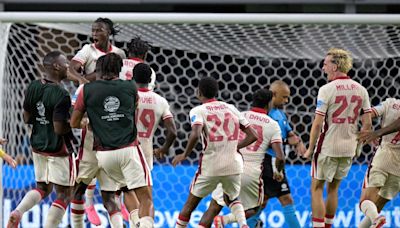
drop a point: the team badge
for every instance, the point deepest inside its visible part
(111, 104)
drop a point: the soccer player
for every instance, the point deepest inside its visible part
(340, 104)
(383, 177)
(251, 189)
(151, 110)
(46, 108)
(110, 104)
(85, 60)
(274, 188)
(137, 53)
(217, 123)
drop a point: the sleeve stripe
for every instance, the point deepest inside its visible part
(79, 60)
(246, 126)
(197, 123)
(276, 141)
(167, 117)
(319, 113)
(375, 111)
(368, 110)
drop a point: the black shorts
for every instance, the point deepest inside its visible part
(273, 188)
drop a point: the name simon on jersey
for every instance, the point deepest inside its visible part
(346, 87)
(259, 118)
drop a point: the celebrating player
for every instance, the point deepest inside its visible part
(85, 60)
(137, 52)
(151, 110)
(337, 114)
(46, 108)
(382, 181)
(111, 104)
(251, 189)
(217, 123)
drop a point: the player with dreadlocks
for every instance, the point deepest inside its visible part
(137, 53)
(83, 68)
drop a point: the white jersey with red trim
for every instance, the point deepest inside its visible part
(127, 68)
(268, 132)
(151, 110)
(220, 136)
(89, 54)
(388, 157)
(341, 102)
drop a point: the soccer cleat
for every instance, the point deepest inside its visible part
(14, 219)
(379, 222)
(125, 213)
(92, 215)
(218, 221)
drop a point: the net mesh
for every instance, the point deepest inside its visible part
(243, 58)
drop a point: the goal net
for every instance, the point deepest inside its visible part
(243, 57)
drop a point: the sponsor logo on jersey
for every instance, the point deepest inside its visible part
(40, 108)
(111, 104)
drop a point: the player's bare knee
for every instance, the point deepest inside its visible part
(79, 191)
(46, 188)
(286, 199)
(63, 193)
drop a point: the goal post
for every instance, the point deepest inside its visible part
(244, 52)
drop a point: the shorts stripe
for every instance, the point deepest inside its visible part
(83, 136)
(260, 186)
(146, 172)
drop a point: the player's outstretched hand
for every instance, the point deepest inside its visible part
(177, 159)
(308, 154)
(10, 161)
(160, 153)
(3, 141)
(278, 176)
(367, 136)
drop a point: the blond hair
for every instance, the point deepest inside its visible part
(342, 59)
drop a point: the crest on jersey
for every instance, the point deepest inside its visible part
(40, 108)
(320, 103)
(111, 104)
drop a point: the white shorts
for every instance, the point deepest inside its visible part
(87, 171)
(202, 186)
(125, 167)
(87, 164)
(327, 168)
(251, 190)
(56, 170)
(389, 184)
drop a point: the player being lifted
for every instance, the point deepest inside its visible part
(46, 108)
(218, 124)
(382, 181)
(85, 61)
(251, 191)
(111, 104)
(151, 110)
(137, 53)
(340, 104)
